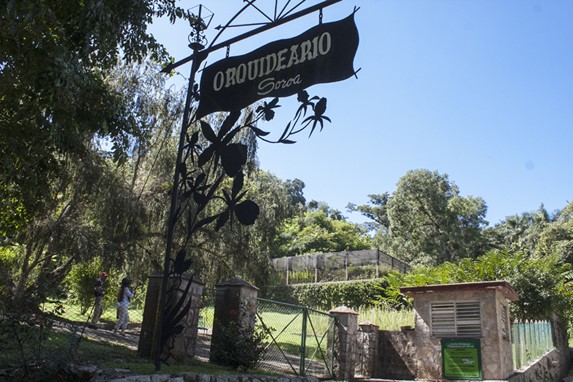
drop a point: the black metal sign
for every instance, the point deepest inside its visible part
(282, 68)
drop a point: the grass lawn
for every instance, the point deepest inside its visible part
(285, 324)
(74, 313)
(25, 344)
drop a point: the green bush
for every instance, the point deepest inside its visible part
(542, 284)
(80, 286)
(237, 347)
(8, 263)
(80, 283)
(353, 294)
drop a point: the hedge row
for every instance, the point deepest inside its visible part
(324, 296)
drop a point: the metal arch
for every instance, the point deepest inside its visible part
(277, 22)
(251, 3)
(169, 318)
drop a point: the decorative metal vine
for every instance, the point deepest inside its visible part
(207, 156)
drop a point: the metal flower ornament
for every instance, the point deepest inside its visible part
(210, 154)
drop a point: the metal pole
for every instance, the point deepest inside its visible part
(198, 58)
(302, 365)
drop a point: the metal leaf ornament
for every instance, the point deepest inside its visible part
(181, 265)
(305, 103)
(218, 141)
(246, 211)
(233, 158)
(318, 117)
(195, 186)
(267, 109)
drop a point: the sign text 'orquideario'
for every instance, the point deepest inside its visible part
(282, 68)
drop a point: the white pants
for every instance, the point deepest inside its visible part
(122, 317)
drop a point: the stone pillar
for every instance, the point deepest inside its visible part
(367, 352)
(345, 342)
(235, 309)
(182, 346)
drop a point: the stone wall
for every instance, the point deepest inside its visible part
(553, 366)
(544, 370)
(396, 355)
(366, 350)
(92, 373)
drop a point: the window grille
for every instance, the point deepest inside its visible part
(456, 319)
(504, 322)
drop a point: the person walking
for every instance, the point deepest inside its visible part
(99, 293)
(124, 297)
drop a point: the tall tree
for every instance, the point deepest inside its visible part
(93, 207)
(295, 188)
(92, 213)
(54, 56)
(376, 211)
(426, 220)
(520, 232)
(557, 237)
(320, 229)
(431, 223)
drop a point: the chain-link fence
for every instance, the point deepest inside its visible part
(335, 266)
(69, 311)
(205, 324)
(300, 340)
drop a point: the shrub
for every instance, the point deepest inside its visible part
(353, 294)
(238, 347)
(80, 282)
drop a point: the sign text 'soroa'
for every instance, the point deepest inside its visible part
(282, 68)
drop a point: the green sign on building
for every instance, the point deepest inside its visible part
(461, 358)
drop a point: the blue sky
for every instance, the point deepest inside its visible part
(480, 90)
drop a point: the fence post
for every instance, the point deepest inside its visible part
(529, 342)
(536, 347)
(303, 342)
(316, 268)
(368, 349)
(377, 263)
(516, 344)
(548, 336)
(345, 342)
(523, 343)
(287, 270)
(235, 305)
(183, 345)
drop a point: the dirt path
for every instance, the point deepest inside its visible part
(103, 334)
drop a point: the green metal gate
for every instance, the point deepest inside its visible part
(300, 339)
